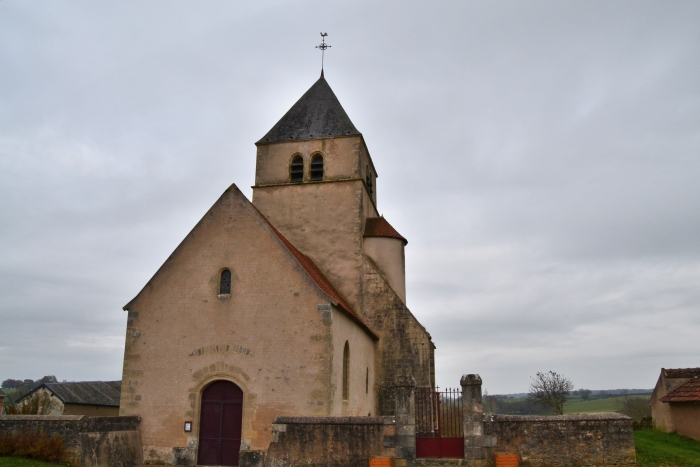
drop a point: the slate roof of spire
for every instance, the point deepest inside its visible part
(318, 114)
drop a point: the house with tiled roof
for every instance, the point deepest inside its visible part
(95, 398)
(290, 304)
(675, 402)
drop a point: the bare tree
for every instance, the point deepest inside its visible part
(550, 390)
(635, 407)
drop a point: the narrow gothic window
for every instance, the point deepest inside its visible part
(346, 372)
(317, 167)
(367, 382)
(225, 284)
(368, 182)
(296, 169)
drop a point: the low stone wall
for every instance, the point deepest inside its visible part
(90, 441)
(330, 441)
(591, 440)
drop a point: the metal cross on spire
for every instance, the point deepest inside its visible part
(323, 46)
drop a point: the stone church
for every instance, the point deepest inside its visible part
(293, 304)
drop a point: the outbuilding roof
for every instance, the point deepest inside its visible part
(318, 114)
(681, 372)
(105, 393)
(686, 392)
(380, 227)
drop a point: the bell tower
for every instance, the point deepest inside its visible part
(315, 181)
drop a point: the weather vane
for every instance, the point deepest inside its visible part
(323, 46)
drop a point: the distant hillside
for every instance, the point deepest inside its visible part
(595, 392)
(633, 402)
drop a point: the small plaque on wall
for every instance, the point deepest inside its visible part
(188, 427)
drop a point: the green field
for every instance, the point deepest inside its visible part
(24, 462)
(608, 404)
(658, 449)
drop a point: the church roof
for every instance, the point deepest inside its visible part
(318, 114)
(380, 227)
(317, 276)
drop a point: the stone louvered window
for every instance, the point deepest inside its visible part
(296, 169)
(225, 284)
(346, 372)
(317, 167)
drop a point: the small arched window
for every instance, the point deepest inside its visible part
(296, 169)
(225, 283)
(346, 372)
(317, 167)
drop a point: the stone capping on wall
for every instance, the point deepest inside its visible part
(89, 440)
(52, 418)
(555, 418)
(334, 420)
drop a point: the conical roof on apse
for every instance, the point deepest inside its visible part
(318, 114)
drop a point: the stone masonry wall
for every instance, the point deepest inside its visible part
(330, 441)
(93, 441)
(592, 440)
(405, 347)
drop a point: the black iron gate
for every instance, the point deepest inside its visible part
(439, 426)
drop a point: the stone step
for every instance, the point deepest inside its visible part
(439, 462)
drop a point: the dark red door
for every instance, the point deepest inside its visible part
(220, 424)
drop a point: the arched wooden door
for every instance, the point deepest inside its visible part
(220, 424)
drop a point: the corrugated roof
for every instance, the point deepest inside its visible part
(686, 392)
(379, 227)
(106, 393)
(681, 372)
(317, 276)
(318, 114)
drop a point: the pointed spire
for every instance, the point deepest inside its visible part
(318, 114)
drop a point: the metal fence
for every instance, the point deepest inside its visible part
(439, 413)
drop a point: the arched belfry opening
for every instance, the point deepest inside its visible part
(296, 169)
(220, 424)
(317, 167)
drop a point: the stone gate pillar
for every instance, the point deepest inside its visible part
(473, 418)
(405, 412)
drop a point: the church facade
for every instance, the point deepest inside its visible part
(293, 304)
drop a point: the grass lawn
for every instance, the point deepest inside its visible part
(658, 449)
(608, 404)
(24, 462)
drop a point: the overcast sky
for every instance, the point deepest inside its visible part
(540, 157)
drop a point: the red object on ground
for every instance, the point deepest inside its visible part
(507, 460)
(381, 462)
